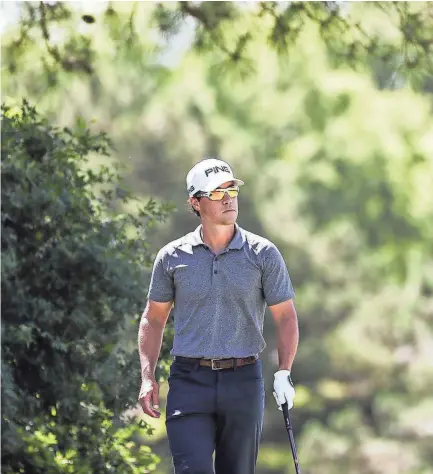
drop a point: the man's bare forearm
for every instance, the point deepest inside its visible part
(287, 340)
(149, 343)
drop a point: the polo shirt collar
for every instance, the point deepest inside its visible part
(194, 238)
(238, 239)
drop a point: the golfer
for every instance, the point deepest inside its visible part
(217, 281)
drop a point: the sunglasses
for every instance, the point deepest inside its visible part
(219, 193)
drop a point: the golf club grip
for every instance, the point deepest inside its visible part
(291, 437)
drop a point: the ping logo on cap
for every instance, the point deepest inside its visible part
(216, 169)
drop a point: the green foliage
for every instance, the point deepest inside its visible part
(73, 283)
(229, 28)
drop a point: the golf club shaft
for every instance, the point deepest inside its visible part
(291, 437)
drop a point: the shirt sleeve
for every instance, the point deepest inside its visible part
(161, 288)
(276, 282)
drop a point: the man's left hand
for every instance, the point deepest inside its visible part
(284, 391)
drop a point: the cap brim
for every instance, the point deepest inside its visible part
(215, 184)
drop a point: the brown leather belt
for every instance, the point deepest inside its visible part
(219, 364)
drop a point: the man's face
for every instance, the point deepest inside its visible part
(224, 212)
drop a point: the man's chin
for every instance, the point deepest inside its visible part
(229, 217)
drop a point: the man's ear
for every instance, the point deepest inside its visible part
(195, 203)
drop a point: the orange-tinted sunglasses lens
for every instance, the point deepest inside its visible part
(217, 195)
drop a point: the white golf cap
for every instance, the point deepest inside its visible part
(208, 174)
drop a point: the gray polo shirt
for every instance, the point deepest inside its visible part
(219, 299)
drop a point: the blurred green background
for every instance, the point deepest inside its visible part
(325, 110)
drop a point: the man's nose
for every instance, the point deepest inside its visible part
(227, 198)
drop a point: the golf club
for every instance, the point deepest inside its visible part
(291, 437)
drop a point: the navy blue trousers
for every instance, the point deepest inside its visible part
(214, 413)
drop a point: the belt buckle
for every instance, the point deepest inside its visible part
(213, 366)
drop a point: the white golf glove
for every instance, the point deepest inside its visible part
(284, 391)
